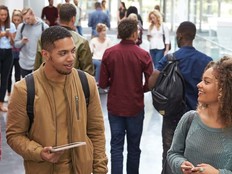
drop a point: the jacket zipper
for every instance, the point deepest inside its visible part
(53, 165)
(77, 107)
(70, 139)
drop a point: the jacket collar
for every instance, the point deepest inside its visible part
(128, 42)
(68, 28)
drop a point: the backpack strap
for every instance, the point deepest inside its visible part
(31, 93)
(42, 26)
(188, 124)
(22, 28)
(85, 85)
(171, 58)
(30, 98)
(21, 31)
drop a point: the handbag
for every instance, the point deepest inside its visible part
(170, 45)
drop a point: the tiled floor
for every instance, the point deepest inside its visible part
(151, 145)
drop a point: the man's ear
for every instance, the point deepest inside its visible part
(45, 55)
(73, 19)
(135, 35)
(179, 36)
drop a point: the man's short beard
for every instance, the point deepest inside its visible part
(60, 71)
(63, 72)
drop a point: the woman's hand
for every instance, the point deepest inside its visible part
(4, 34)
(204, 169)
(187, 167)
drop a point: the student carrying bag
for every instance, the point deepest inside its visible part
(31, 93)
(168, 94)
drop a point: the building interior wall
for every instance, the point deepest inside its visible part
(204, 14)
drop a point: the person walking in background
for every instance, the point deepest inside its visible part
(131, 12)
(58, 8)
(133, 9)
(78, 17)
(104, 8)
(50, 14)
(122, 11)
(61, 116)
(191, 63)
(123, 67)
(140, 29)
(157, 7)
(17, 19)
(7, 33)
(83, 58)
(206, 148)
(28, 33)
(98, 16)
(157, 31)
(98, 45)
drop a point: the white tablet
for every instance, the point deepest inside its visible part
(67, 146)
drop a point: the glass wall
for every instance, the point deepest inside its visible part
(210, 16)
(201, 12)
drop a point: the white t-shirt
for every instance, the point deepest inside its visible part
(4, 41)
(156, 39)
(98, 48)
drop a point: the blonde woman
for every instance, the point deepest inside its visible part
(156, 32)
(98, 45)
(17, 19)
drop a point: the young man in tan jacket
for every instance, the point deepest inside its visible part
(61, 115)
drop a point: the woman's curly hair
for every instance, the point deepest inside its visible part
(100, 27)
(223, 73)
(222, 70)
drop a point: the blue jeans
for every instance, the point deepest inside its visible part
(132, 127)
(97, 65)
(156, 56)
(6, 60)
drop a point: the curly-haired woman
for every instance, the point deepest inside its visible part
(207, 147)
